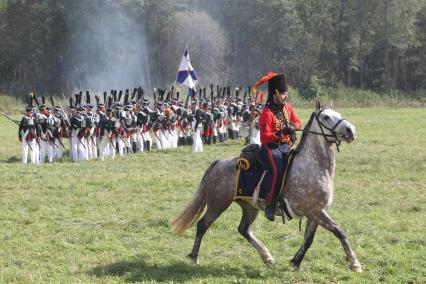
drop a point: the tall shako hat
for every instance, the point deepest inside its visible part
(276, 82)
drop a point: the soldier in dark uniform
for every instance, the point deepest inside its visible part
(77, 129)
(99, 117)
(28, 135)
(46, 124)
(58, 132)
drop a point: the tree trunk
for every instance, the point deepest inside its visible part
(387, 75)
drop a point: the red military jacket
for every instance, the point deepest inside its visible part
(269, 124)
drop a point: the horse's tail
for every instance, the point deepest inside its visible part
(190, 214)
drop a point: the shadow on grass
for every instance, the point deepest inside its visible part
(135, 271)
(11, 160)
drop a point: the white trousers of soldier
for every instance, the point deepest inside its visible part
(173, 138)
(139, 140)
(164, 139)
(84, 150)
(46, 147)
(198, 143)
(120, 143)
(133, 139)
(254, 134)
(93, 148)
(157, 140)
(146, 137)
(34, 153)
(104, 147)
(57, 151)
(77, 148)
(91, 151)
(73, 147)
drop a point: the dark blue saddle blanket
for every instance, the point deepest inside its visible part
(252, 171)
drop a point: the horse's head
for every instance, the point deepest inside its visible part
(332, 124)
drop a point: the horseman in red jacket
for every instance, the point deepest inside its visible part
(277, 124)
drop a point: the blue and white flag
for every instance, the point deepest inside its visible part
(186, 74)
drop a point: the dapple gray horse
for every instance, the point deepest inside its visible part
(308, 190)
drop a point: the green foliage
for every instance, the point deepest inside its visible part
(9, 104)
(107, 222)
(316, 89)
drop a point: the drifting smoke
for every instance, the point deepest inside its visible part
(106, 48)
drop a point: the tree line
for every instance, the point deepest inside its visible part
(52, 46)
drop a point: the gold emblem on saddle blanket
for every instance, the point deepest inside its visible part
(243, 164)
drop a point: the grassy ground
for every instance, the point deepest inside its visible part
(107, 222)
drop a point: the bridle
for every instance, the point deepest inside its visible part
(322, 126)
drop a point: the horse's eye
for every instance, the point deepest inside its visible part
(326, 117)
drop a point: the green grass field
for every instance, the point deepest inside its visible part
(108, 222)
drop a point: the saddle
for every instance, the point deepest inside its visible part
(254, 178)
(250, 156)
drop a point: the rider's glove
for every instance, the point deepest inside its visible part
(288, 130)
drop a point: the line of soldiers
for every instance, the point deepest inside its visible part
(117, 124)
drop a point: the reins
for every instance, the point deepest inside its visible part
(333, 134)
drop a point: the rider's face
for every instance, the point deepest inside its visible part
(281, 98)
(284, 96)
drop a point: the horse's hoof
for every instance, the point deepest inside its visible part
(294, 265)
(356, 268)
(194, 259)
(269, 261)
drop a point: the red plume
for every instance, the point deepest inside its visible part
(261, 97)
(265, 78)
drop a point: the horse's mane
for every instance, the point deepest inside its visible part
(305, 134)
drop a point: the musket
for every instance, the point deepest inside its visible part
(22, 137)
(81, 142)
(187, 101)
(65, 115)
(110, 140)
(48, 138)
(60, 142)
(14, 121)
(35, 99)
(121, 136)
(65, 99)
(93, 141)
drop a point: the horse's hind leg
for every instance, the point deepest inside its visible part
(249, 215)
(202, 226)
(311, 228)
(325, 221)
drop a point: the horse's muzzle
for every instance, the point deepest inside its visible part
(350, 134)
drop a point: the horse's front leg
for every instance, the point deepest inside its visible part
(325, 221)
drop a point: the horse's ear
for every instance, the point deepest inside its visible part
(317, 105)
(330, 104)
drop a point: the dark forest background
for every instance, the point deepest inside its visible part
(54, 46)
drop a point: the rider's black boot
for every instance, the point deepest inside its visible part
(270, 211)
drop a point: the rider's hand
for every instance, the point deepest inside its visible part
(288, 130)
